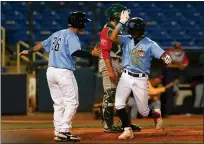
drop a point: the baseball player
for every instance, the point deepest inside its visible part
(136, 60)
(63, 46)
(110, 68)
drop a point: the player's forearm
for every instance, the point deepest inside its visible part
(156, 91)
(36, 48)
(169, 85)
(114, 35)
(109, 65)
(173, 66)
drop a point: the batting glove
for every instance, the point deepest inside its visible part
(124, 16)
(167, 59)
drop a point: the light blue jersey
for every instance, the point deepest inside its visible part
(137, 58)
(61, 45)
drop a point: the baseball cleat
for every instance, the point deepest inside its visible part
(64, 137)
(113, 129)
(127, 134)
(135, 128)
(157, 119)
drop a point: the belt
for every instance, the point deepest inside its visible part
(135, 74)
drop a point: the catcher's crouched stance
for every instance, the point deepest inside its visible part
(136, 60)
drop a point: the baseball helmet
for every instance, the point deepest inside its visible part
(114, 11)
(78, 20)
(136, 24)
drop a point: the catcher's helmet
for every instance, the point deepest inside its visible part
(78, 20)
(136, 24)
(114, 11)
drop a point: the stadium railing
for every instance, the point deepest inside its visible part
(3, 43)
(18, 46)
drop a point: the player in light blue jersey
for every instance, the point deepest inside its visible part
(138, 51)
(63, 46)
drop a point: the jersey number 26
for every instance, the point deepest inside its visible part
(55, 44)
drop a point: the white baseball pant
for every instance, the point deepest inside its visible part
(64, 93)
(139, 87)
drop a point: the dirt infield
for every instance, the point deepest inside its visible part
(176, 129)
(95, 135)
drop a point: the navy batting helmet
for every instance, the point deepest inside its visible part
(78, 20)
(136, 24)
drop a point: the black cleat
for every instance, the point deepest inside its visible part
(135, 128)
(64, 137)
(113, 129)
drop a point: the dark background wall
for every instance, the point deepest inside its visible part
(13, 94)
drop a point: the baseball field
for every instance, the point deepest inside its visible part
(38, 128)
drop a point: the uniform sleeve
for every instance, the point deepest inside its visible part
(156, 50)
(47, 44)
(74, 44)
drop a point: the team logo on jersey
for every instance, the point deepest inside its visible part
(136, 54)
(140, 52)
(103, 42)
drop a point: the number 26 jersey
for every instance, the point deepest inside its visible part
(61, 45)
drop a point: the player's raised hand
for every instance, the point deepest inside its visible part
(124, 16)
(24, 52)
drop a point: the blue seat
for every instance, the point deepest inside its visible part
(16, 15)
(11, 26)
(50, 15)
(5, 6)
(21, 35)
(20, 6)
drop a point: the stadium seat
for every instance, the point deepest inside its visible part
(166, 21)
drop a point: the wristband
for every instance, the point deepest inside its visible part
(31, 50)
(119, 26)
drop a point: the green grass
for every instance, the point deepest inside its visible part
(6, 126)
(152, 143)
